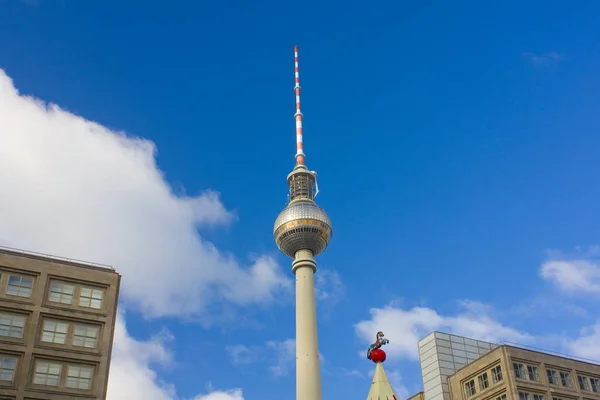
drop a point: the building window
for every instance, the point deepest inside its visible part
(557, 398)
(7, 368)
(519, 370)
(496, 374)
(47, 373)
(483, 381)
(470, 388)
(565, 379)
(55, 332)
(79, 377)
(532, 372)
(11, 325)
(61, 292)
(524, 396)
(583, 383)
(90, 298)
(19, 286)
(85, 336)
(538, 397)
(552, 376)
(503, 397)
(595, 385)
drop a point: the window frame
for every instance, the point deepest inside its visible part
(497, 374)
(470, 388)
(3, 358)
(87, 328)
(595, 384)
(46, 374)
(91, 297)
(63, 375)
(524, 396)
(484, 382)
(80, 299)
(55, 332)
(520, 370)
(533, 370)
(584, 383)
(61, 293)
(553, 377)
(70, 335)
(12, 315)
(80, 368)
(568, 379)
(17, 295)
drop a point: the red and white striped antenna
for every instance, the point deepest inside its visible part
(298, 114)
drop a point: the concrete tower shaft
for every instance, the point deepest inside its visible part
(302, 231)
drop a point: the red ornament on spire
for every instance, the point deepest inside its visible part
(378, 356)
(375, 353)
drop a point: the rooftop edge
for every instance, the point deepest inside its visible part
(72, 261)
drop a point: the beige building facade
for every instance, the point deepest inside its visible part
(508, 373)
(418, 396)
(57, 319)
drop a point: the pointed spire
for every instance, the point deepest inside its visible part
(380, 387)
(298, 114)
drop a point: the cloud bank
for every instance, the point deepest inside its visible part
(405, 328)
(575, 274)
(75, 188)
(78, 189)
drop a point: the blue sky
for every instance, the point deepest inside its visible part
(456, 146)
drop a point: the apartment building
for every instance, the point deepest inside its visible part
(441, 355)
(509, 372)
(417, 396)
(57, 319)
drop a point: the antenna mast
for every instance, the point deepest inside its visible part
(298, 114)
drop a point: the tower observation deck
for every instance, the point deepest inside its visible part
(302, 231)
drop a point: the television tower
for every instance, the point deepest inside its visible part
(302, 231)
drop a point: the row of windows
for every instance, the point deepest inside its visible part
(589, 384)
(60, 292)
(484, 381)
(53, 331)
(51, 373)
(530, 396)
(558, 378)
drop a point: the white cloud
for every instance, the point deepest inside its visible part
(543, 58)
(587, 345)
(241, 354)
(132, 374)
(234, 394)
(278, 355)
(77, 189)
(329, 287)
(74, 188)
(131, 377)
(285, 354)
(577, 276)
(404, 328)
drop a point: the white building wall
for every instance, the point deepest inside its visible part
(441, 355)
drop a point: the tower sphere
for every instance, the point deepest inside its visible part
(302, 225)
(378, 356)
